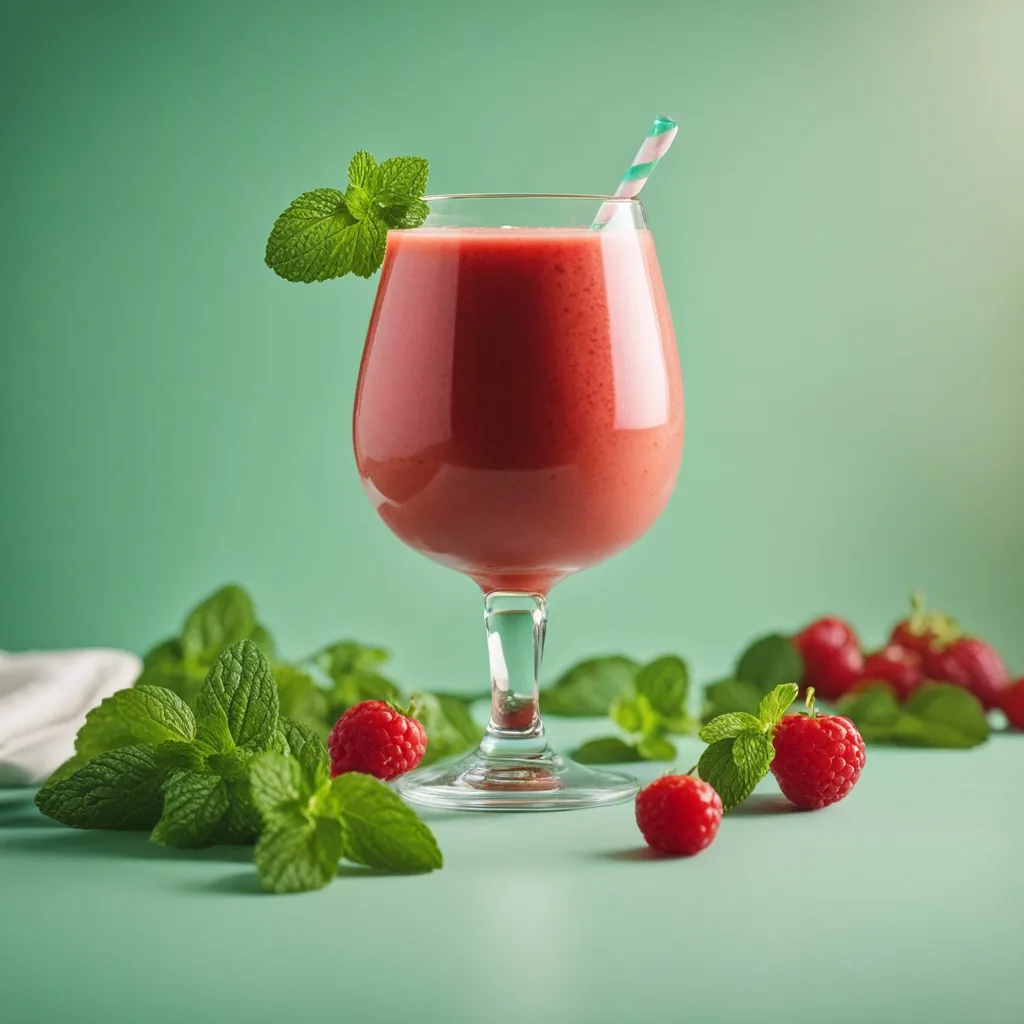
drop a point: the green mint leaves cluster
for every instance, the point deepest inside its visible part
(234, 770)
(648, 703)
(326, 233)
(934, 715)
(740, 751)
(314, 690)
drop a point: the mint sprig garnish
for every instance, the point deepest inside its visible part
(311, 822)
(740, 751)
(326, 233)
(649, 706)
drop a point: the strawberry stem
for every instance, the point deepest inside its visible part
(810, 702)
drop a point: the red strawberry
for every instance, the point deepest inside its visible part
(1012, 703)
(678, 814)
(832, 659)
(897, 666)
(972, 664)
(923, 631)
(818, 758)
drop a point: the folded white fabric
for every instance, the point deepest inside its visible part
(44, 697)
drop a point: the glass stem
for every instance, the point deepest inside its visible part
(516, 624)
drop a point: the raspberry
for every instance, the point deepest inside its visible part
(832, 658)
(678, 814)
(375, 738)
(818, 758)
(1012, 703)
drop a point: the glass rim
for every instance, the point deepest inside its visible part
(587, 196)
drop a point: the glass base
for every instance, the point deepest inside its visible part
(544, 781)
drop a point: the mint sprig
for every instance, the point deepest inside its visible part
(311, 822)
(935, 715)
(233, 771)
(326, 233)
(740, 751)
(651, 706)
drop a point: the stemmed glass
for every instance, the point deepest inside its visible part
(519, 417)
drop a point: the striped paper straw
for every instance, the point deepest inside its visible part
(655, 146)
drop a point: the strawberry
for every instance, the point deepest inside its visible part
(898, 666)
(923, 631)
(1012, 703)
(972, 664)
(833, 662)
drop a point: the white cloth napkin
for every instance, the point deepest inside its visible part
(44, 696)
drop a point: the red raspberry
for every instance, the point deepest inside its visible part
(832, 658)
(972, 664)
(1012, 703)
(897, 666)
(818, 758)
(375, 738)
(678, 814)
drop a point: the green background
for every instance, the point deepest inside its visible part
(841, 231)
(842, 235)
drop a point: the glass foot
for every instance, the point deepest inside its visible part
(544, 781)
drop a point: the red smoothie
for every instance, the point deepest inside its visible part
(519, 414)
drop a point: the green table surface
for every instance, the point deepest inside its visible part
(903, 903)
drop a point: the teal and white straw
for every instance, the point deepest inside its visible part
(654, 147)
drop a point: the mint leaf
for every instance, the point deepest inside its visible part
(313, 239)
(261, 637)
(875, 711)
(298, 854)
(222, 619)
(404, 176)
(279, 785)
(590, 687)
(769, 661)
(752, 753)
(362, 171)
(731, 695)
(117, 790)
(656, 748)
(187, 754)
(345, 657)
(165, 666)
(776, 704)
(301, 743)
(728, 726)
(69, 767)
(145, 714)
(450, 727)
(355, 687)
(381, 831)
(635, 715)
(665, 682)
(301, 698)
(238, 704)
(326, 233)
(241, 822)
(718, 767)
(608, 750)
(194, 805)
(942, 715)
